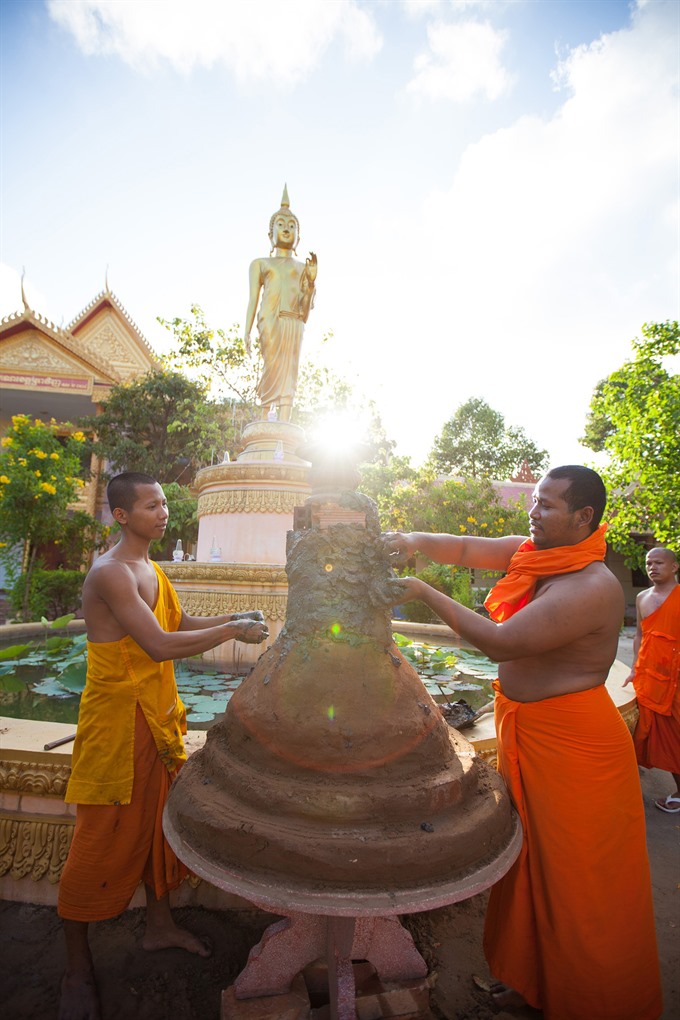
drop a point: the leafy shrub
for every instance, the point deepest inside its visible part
(452, 581)
(53, 593)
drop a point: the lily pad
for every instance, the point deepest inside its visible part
(13, 652)
(51, 688)
(197, 717)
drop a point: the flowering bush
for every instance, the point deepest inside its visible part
(39, 478)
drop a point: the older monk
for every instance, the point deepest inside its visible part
(570, 928)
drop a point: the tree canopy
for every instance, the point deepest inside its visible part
(162, 424)
(219, 361)
(635, 418)
(476, 443)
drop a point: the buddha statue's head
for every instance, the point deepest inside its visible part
(284, 226)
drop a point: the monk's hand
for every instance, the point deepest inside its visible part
(400, 547)
(629, 679)
(405, 589)
(252, 614)
(252, 632)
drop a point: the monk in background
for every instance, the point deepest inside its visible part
(656, 671)
(570, 928)
(129, 744)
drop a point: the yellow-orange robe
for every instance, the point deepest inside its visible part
(571, 925)
(127, 751)
(657, 687)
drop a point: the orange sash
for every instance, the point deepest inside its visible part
(528, 564)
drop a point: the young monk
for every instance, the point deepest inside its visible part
(129, 745)
(569, 928)
(656, 672)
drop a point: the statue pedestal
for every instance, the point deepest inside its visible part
(245, 510)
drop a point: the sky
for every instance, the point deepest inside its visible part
(492, 187)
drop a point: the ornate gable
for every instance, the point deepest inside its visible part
(105, 331)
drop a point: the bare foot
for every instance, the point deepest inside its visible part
(79, 998)
(506, 997)
(174, 937)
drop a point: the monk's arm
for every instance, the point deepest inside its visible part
(636, 640)
(117, 587)
(560, 616)
(463, 550)
(203, 622)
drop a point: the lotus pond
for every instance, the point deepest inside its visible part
(44, 679)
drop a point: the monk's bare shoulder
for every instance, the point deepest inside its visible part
(107, 572)
(593, 589)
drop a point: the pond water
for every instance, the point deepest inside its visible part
(44, 680)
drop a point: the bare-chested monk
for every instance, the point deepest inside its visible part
(570, 928)
(129, 742)
(656, 672)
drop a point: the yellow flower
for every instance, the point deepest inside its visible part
(501, 520)
(79, 437)
(47, 487)
(472, 520)
(7, 441)
(19, 419)
(54, 478)
(3, 545)
(54, 456)
(38, 474)
(482, 525)
(40, 454)
(4, 479)
(80, 483)
(22, 461)
(461, 527)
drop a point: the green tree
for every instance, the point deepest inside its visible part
(471, 507)
(162, 424)
(635, 418)
(476, 443)
(39, 479)
(220, 362)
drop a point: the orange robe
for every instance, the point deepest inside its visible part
(571, 925)
(127, 751)
(657, 686)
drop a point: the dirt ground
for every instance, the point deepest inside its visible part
(135, 985)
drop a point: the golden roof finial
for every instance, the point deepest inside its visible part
(106, 280)
(285, 201)
(27, 307)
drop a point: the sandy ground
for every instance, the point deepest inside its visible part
(135, 985)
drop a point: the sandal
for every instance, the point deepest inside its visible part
(665, 805)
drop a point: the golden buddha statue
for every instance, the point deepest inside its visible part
(285, 291)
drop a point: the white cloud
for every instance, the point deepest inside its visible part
(463, 61)
(267, 40)
(560, 237)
